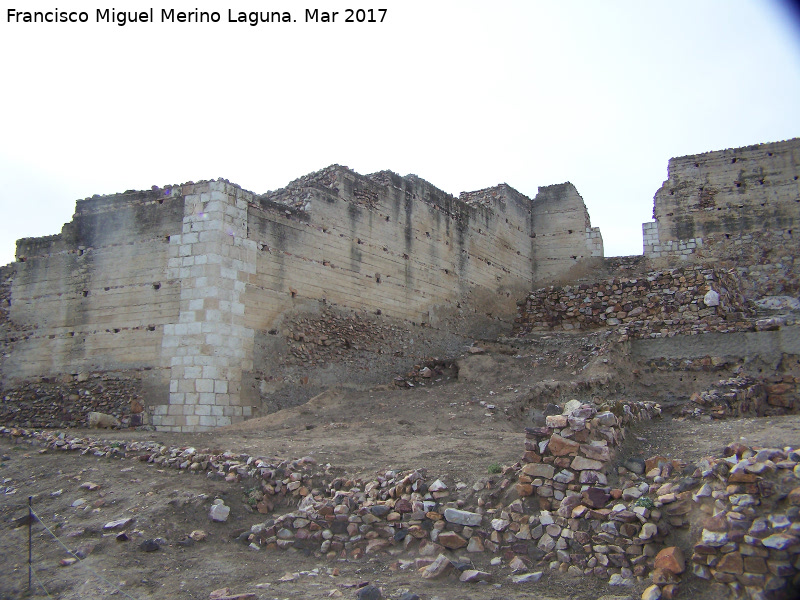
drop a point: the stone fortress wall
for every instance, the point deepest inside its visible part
(214, 301)
(737, 209)
(186, 289)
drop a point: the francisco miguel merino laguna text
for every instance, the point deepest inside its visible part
(170, 15)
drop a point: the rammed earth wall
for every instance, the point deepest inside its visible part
(187, 288)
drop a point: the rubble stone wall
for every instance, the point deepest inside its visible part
(658, 304)
(738, 208)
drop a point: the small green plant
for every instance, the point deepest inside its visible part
(645, 502)
(495, 468)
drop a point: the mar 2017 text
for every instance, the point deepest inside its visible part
(170, 15)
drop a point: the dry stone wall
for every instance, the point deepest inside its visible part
(687, 300)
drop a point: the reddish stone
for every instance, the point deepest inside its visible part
(755, 564)
(794, 497)
(451, 540)
(560, 446)
(731, 563)
(669, 592)
(716, 523)
(524, 489)
(652, 463)
(778, 389)
(595, 498)
(742, 477)
(663, 577)
(671, 559)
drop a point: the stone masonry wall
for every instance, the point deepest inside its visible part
(178, 286)
(96, 297)
(563, 233)
(658, 304)
(738, 208)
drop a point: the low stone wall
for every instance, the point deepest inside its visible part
(748, 500)
(662, 303)
(750, 538)
(746, 397)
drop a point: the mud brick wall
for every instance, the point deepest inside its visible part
(739, 208)
(657, 304)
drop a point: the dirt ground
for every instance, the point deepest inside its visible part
(455, 429)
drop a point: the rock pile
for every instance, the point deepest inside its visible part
(746, 396)
(559, 512)
(428, 373)
(662, 303)
(750, 538)
(66, 401)
(340, 337)
(296, 195)
(354, 338)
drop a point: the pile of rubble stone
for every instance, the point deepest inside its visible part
(430, 372)
(557, 512)
(57, 402)
(296, 195)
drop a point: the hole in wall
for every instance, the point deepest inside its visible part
(157, 286)
(569, 231)
(273, 332)
(387, 219)
(151, 328)
(733, 160)
(161, 201)
(769, 153)
(116, 330)
(377, 277)
(85, 293)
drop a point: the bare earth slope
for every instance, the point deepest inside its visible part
(455, 430)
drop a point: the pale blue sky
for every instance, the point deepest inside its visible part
(464, 94)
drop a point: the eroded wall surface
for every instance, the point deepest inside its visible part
(197, 290)
(739, 208)
(564, 238)
(96, 296)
